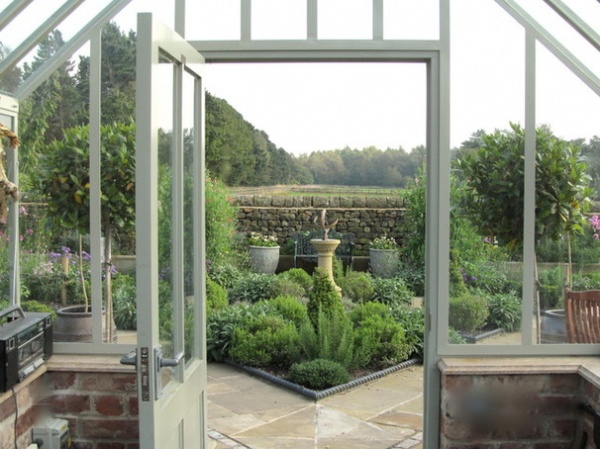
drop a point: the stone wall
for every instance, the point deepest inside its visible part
(283, 216)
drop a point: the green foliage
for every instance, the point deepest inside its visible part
(265, 341)
(369, 309)
(318, 374)
(221, 220)
(220, 324)
(380, 342)
(412, 226)
(64, 178)
(290, 309)
(412, 321)
(36, 306)
(337, 268)
(414, 277)
(357, 286)
(491, 276)
(299, 276)
(282, 285)
(551, 285)
(251, 287)
(504, 312)
(216, 296)
(225, 274)
(457, 282)
(383, 242)
(468, 312)
(493, 177)
(392, 291)
(124, 301)
(331, 339)
(455, 338)
(586, 281)
(323, 298)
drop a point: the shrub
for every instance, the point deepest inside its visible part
(221, 220)
(380, 342)
(35, 306)
(220, 324)
(392, 291)
(551, 287)
(318, 374)
(368, 309)
(468, 312)
(412, 321)
(282, 286)
(300, 276)
(265, 341)
(455, 338)
(504, 311)
(252, 287)
(337, 268)
(357, 286)
(224, 274)
(587, 281)
(216, 296)
(290, 309)
(332, 339)
(490, 276)
(124, 302)
(414, 277)
(323, 298)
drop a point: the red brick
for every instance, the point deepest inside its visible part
(124, 382)
(134, 408)
(133, 446)
(82, 445)
(7, 408)
(110, 428)
(514, 446)
(553, 445)
(113, 445)
(63, 381)
(109, 405)
(565, 383)
(70, 403)
(554, 405)
(563, 428)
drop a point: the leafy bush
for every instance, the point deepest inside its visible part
(337, 268)
(323, 298)
(392, 291)
(587, 281)
(380, 342)
(36, 306)
(504, 311)
(412, 321)
(265, 341)
(124, 302)
(223, 273)
(368, 309)
(455, 338)
(468, 312)
(251, 287)
(290, 309)
(221, 220)
(357, 286)
(283, 286)
(487, 275)
(332, 339)
(220, 325)
(551, 287)
(300, 276)
(318, 374)
(216, 296)
(414, 277)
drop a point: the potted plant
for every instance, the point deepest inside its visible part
(64, 177)
(384, 256)
(264, 253)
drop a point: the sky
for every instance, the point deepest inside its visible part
(318, 106)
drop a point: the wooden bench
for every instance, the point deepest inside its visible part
(582, 313)
(303, 250)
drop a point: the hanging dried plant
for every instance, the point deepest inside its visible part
(7, 188)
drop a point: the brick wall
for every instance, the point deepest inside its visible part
(99, 403)
(521, 411)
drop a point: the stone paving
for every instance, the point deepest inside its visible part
(247, 412)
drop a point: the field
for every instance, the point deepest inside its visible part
(316, 190)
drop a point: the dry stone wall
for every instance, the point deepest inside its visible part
(283, 216)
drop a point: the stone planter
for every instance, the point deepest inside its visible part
(384, 262)
(553, 327)
(264, 259)
(73, 323)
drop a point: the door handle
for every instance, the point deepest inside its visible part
(170, 362)
(130, 359)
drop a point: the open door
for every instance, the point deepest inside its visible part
(170, 358)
